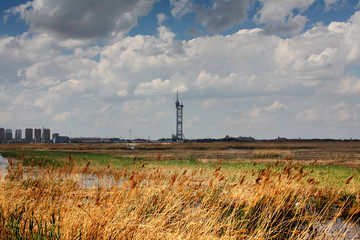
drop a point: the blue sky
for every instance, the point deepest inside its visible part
(242, 67)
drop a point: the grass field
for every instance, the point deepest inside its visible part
(264, 190)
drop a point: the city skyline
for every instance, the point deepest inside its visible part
(243, 67)
(36, 135)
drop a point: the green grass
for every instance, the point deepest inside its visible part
(328, 176)
(333, 175)
(57, 158)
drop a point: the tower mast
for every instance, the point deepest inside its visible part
(179, 118)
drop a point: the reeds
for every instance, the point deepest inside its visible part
(276, 201)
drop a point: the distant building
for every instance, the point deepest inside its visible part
(54, 136)
(61, 139)
(8, 135)
(28, 134)
(2, 135)
(86, 140)
(18, 134)
(45, 135)
(37, 135)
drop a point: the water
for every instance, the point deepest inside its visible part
(3, 162)
(91, 180)
(84, 180)
(3, 166)
(340, 229)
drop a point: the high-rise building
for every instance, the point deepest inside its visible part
(37, 135)
(45, 135)
(8, 135)
(2, 135)
(18, 134)
(179, 119)
(28, 134)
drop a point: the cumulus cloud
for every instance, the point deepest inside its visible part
(155, 86)
(193, 31)
(308, 115)
(286, 27)
(18, 53)
(279, 18)
(245, 79)
(275, 107)
(343, 111)
(82, 19)
(332, 3)
(61, 117)
(212, 103)
(160, 18)
(350, 85)
(180, 7)
(276, 10)
(223, 15)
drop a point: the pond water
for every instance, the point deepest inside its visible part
(88, 181)
(339, 229)
(3, 162)
(3, 166)
(84, 180)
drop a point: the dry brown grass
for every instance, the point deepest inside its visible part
(159, 202)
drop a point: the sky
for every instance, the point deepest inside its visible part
(260, 68)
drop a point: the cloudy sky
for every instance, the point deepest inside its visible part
(261, 68)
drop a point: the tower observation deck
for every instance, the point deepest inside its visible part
(179, 119)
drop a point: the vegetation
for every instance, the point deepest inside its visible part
(97, 194)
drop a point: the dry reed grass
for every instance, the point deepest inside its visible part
(158, 202)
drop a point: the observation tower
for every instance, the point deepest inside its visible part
(179, 119)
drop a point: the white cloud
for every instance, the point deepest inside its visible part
(279, 18)
(332, 3)
(205, 80)
(339, 105)
(343, 115)
(277, 10)
(273, 108)
(180, 7)
(212, 103)
(276, 106)
(255, 113)
(220, 78)
(343, 111)
(349, 85)
(160, 18)
(223, 15)
(309, 115)
(61, 117)
(82, 19)
(155, 86)
(286, 27)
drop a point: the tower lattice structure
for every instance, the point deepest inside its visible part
(179, 118)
